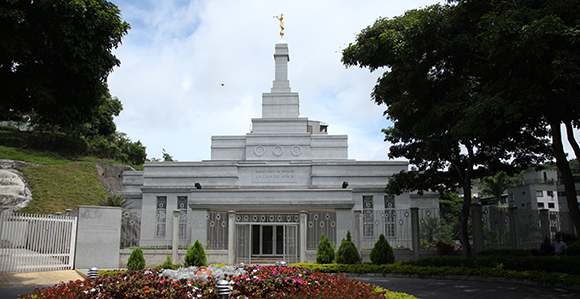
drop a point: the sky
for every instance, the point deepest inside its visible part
(194, 69)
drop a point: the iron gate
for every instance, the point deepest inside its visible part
(30, 243)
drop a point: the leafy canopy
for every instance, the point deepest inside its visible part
(55, 57)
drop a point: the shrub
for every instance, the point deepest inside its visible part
(195, 255)
(136, 260)
(347, 253)
(325, 253)
(382, 253)
(167, 264)
(445, 249)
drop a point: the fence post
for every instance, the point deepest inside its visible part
(545, 223)
(175, 241)
(514, 233)
(357, 229)
(231, 236)
(477, 225)
(415, 232)
(303, 232)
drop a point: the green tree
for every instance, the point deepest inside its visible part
(167, 157)
(382, 252)
(325, 253)
(55, 57)
(496, 185)
(433, 96)
(195, 255)
(574, 167)
(136, 260)
(533, 50)
(347, 252)
(450, 208)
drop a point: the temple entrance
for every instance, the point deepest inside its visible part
(267, 240)
(261, 237)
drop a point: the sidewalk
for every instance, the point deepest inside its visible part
(10, 280)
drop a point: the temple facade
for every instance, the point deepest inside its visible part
(271, 193)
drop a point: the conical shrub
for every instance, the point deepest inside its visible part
(195, 255)
(136, 260)
(382, 253)
(347, 253)
(325, 253)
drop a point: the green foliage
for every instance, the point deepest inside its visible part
(325, 253)
(195, 255)
(167, 157)
(29, 145)
(136, 260)
(496, 185)
(118, 147)
(167, 264)
(575, 167)
(347, 253)
(58, 56)
(382, 253)
(432, 230)
(115, 201)
(450, 208)
(408, 268)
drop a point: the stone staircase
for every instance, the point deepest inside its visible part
(266, 260)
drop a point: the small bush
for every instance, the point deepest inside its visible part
(167, 264)
(347, 253)
(195, 255)
(325, 253)
(136, 260)
(382, 253)
(445, 249)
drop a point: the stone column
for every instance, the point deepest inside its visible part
(231, 236)
(514, 232)
(303, 234)
(175, 240)
(545, 223)
(477, 225)
(415, 232)
(357, 230)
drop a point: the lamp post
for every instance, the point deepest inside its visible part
(223, 289)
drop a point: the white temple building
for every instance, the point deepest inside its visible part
(271, 193)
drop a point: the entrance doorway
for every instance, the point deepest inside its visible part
(267, 240)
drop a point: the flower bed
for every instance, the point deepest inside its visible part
(249, 282)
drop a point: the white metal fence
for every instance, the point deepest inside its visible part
(30, 243)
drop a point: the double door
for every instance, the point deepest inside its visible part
(267, 240)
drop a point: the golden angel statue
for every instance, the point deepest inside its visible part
(281, 18)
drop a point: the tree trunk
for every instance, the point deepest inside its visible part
(463, 220)
(466, 175)
(564, 167)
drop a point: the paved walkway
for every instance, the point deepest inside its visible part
(474, 288)
(14, 284)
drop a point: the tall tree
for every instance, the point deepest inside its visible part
(55, 57)
(534, 51)
(433, 95)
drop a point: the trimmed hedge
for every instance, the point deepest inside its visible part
(551, 264)
(398, 268)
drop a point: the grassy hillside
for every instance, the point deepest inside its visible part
(64, 182)
(64, 186)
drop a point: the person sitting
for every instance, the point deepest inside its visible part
(546, 248)
(559, 246)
